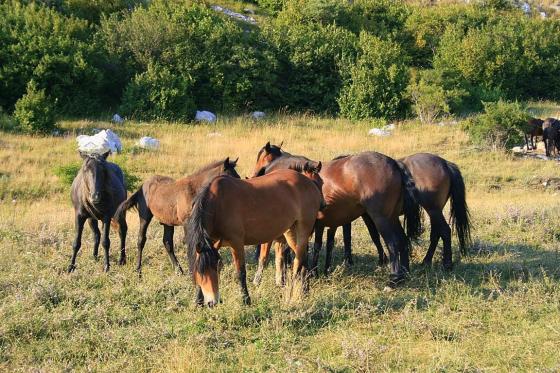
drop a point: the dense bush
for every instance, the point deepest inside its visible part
(55, 51)
(159, 93)
(377, 81)
(502, 125)
(34, 112)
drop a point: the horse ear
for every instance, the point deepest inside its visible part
(280, 146)
(226, 163)
(105, 155)
(267, 147)
(318, 168)
(234, 163)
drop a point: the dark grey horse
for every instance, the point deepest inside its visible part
(97, 191)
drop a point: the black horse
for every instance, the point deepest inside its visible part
(97, 191)
(551, 136)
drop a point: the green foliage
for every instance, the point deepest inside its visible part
(377, 81)
(55, 51)
(67, 173)
(159, 93)
(310, 57)
(7, 122)
(272, 6)
(34, 112)
(501, 126)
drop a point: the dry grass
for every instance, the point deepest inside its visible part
(497, 311)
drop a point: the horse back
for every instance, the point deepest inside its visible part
(432, 179)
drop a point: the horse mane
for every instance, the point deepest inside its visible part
(208, 167)
(292, 162)
(274, 150)
(340, 157)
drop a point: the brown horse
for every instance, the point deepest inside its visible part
(437, 181)
(233, 212)
(97, 191)
(370, 185)
(170, 201)
(551, 136)
(534, 128)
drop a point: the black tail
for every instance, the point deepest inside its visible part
(198, 239)
(411, 206)
(459, 210)
(131, 202)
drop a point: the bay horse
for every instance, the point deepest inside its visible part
(234, 212)
(170, 201)
(437, 181)
(534, 128)
(368, 185)
(97, 191)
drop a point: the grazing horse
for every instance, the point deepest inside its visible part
(170, 201)
(370, 185)
(97, 191)
(437, 181)
(534, 128)
(233, 212)
(551, 136)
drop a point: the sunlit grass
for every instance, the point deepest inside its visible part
(497, 311)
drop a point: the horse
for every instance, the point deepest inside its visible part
(368, 185)
(437, 181)
(534, 128)
(170, 201)
(234, 212)
(551, 137)
(97, 191)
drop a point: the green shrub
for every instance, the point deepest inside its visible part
(377, 82)
(7, 122)
(159, 93)
(34, 112)
(67, 173)
(272, 6)
(501, 126)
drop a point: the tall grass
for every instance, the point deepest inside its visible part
(497, 311)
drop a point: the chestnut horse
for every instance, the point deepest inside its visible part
(233, 212)
(437, 181)
(170, 201)
(368, 184)
(97, 191)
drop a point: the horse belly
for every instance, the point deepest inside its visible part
(340, 212)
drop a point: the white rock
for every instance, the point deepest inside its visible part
(117, 119)
(381, 132)
(258, 115)
(233, 14)
(100, 143)
(205, 116)
(147, 142)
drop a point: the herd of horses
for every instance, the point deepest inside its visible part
(287, 199)
(549, 129)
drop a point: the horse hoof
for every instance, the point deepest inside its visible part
(247, 300)
(427, 263)
(106, 269)
(447, 267)
(71, 268)
(348, 262)
(179, 271)
(257, 280)
(96, 257)
(122, 261)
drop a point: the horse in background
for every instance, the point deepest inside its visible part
(534, 128)
(233, 212)
(551, 136)
(170, 201)
(97, 191)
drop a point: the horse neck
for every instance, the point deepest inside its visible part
(198, 180)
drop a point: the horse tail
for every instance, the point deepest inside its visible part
(198, 240)
(411, 206)
(459, 210)
(126, 205)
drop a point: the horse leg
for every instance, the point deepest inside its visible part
(79, 222)
(238, 253)
(264, 253)
(434, 239)
(279, 264)
(395, 239)
(300, 260)
(145, 220)
(374, 235)
(316, 248)
(96, 237)
(347, 237)
(168, 231)
(445, 232)
(123, 229)
(106, 242)
(258, 252)
(330, 245)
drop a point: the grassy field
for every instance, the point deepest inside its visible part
(499, 310)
